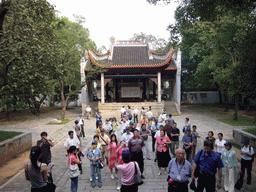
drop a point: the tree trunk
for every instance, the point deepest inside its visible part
(236, 106)
(63, 104)
(220, 97)
(226, 102)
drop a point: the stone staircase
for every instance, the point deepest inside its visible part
(113, 109)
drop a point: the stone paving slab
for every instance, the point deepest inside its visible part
(204, 121)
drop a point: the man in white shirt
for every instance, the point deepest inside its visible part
(124, 124)
(127, 135)
(108, 127)
(73, 141)
(135, 115)
(149, 115)
(122, 111)
(88, 111)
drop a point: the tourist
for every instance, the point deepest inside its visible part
(98, 119)
(144, 133)
(45, 144)
(247, 158)
(113, 145)
(162, 151)
(135, 115)
(210, 137)
(154, 128)
(81, 124)
(187, 124)
(144, 120)
(94, 155)
(114, 124)
(127, 135)
(142, 112)
(167, 129)
(208, 162)
(72, 140)
(175, 134)
(88, 112)
(124, 124)
(36, 172)
(123, 110)
(77, 129)
(135, 145)
(219, 144)
(127, 172)
(73, 162)
(188, 143)
(129, 112)
(120, 161)
(161, 119)
(104, 140)
(108, 127)
(151, 122)
(179, 170)
(196, 134)
(171, 120)
(100, 126)
(229, 159)
(149, 114)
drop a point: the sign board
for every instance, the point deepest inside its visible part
(128, 92)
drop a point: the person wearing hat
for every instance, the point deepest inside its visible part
(208, 162)
(229, 159)
(104, 140)
(81, 123)
(127, 135)
(179, 170)
(127, 172)
(108, 127)
(154, 128)
(94, 155)
(187, 124)
(98, 118)
(188, 143)
(99, 128)
(247, 153)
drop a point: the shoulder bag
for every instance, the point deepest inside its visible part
(137, 178)
(73, 170)
(197, 170)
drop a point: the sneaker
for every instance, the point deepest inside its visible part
(142, 176)
(118, 188)
(90, 179)
(96, 178)
(112, 176)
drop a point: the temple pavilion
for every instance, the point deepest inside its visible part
(136, 76)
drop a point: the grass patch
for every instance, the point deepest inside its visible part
(63, 122)
(251, 130)
(4, 135)
(240, 122)
(236, 145)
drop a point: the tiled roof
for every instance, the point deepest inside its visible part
(130, 56)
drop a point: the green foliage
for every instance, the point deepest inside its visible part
(242, 121)
(63, 122)
(251, 130)
(4, 135)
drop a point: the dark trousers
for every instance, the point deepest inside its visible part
(80, 165)
(129, 188)
(207, 182)
(138, 157)
(135, 118)
(181, 187)
(82, 128)
(246, 164)
(153, 141)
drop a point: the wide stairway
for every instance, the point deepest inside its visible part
(113, 109)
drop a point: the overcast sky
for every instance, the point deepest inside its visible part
(119, 18)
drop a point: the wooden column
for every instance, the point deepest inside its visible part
(102, 88)
(159, 87)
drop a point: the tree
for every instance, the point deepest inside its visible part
(25, 54)
(72, 40)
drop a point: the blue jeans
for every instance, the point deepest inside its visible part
(74, 184)
(93, 168)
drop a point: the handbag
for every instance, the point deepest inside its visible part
(100, 165)
(51, 187)
(137, 178)
(239, 183)
(73, 170)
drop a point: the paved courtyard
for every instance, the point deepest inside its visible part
(202, 117)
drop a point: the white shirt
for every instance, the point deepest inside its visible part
(70, 142)
(124, 124)
(123, 110)
(135, 111)
(126, 137)
(80, 122)
(246, 150)
(220, 145)
(149, 114)
(88, 109)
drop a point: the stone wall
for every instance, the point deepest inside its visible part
(239, 135)
(14, 146)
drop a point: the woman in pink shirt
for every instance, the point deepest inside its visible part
(162, 152)
(113, 145)
(120, 161)
(127, 172)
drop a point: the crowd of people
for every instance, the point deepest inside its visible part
(178, 157)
